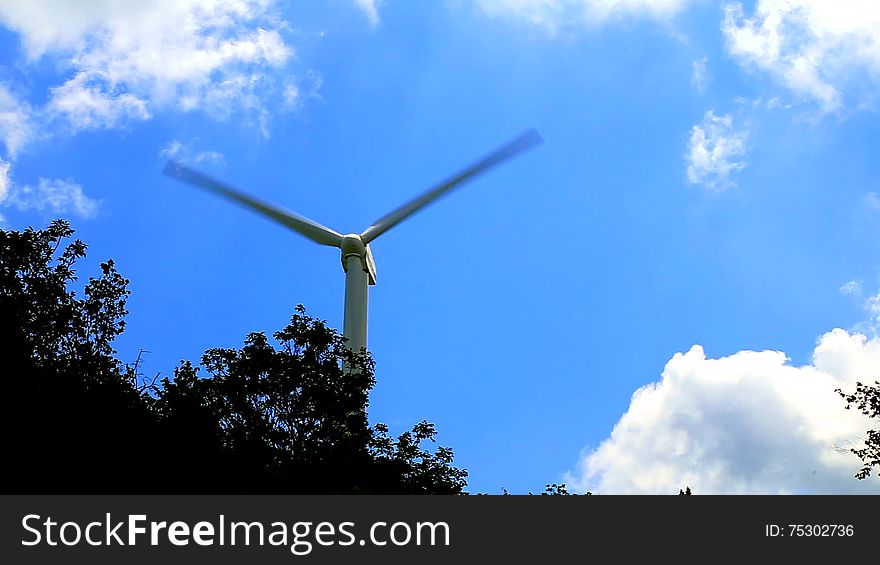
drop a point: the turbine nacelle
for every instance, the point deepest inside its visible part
(353, 244)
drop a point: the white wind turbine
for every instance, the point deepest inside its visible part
(357, 259)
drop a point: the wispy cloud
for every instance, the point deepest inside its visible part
(851, 288)
(370, 8)
(870, 304)
(88, 102)
(55, 196)
(714, 150)
(554, 16)
(185, 153)
(4, 180)
(748, 423)
(700, 76)
(819, 50)
(15, 122)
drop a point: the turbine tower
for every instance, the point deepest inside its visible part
(357, 258)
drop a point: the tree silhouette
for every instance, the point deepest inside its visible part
(263, 419)
(71, 412)
(292, 419)
(866, 399)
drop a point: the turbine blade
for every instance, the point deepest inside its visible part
(385, 223)
(300, 224)
(371, 265)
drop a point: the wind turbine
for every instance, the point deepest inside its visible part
(357, 258)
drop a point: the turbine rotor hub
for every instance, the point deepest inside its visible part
(352, 244)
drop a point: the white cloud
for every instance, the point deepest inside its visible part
(870, 303)
(184, 153)
(4, 179)
(291, 95)
(126, 58)
(815, 48)
(316, 81)
(88, 103)
(171, 150)
(209, 157)
(851, 288)
(295, 90)
(746, 423)
(712, 152)
(370, 8)
(52, 195)
(15, 117)
(700, 76)
(556, 15)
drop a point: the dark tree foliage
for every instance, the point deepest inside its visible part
(72, 415)
(866, 399)
(419, 470)
(293, 420)
(289, 418)
(554, 489)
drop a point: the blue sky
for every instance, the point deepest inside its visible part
(666, 292)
